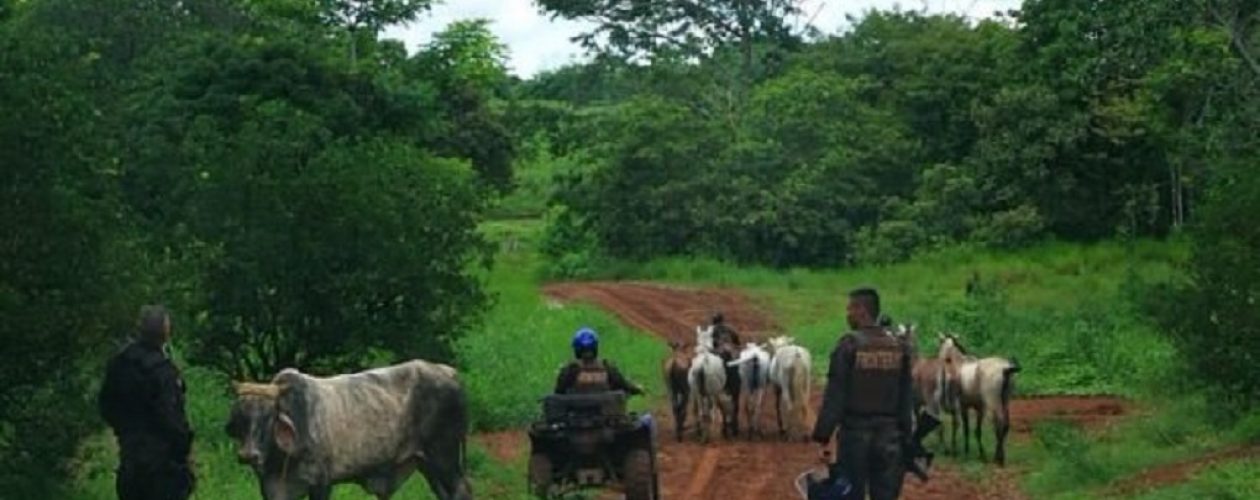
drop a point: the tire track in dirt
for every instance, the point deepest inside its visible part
(743, 469)
(1177, 472)
(704, 473)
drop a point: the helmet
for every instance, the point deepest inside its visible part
(585, 340)
(813, 487)
(717, 317)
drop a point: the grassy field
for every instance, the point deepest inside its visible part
(506, 364)
(1067, 312)
(1063, 310)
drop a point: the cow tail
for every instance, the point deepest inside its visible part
(755, 383)
(1008, 374)
(702, 376)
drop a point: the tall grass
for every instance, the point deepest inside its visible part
(513, 359)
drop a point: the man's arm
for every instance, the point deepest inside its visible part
(833, 397)
(566, 378)
(169, 406)
(619, 383)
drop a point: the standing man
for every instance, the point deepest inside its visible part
(142, 399)
(869, 397)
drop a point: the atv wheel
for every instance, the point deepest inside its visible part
(639, 476)
(540, 475)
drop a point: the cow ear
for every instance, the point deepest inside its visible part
(284, 433)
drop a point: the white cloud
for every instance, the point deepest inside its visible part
(538, 43)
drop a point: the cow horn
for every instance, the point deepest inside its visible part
(270, 391)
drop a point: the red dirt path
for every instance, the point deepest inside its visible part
(764, 469)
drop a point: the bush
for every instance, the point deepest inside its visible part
(1215, 318)
(68, 274)
(888, 242)
(333, 264)
(1014, 228)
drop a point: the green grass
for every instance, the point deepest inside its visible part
(1061, 309)
(512, 360)
(507, 364)
(1065, 311)
(1072, 463)
(1239, 480)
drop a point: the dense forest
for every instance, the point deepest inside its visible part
(308, 193)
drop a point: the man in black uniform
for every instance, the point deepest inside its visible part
(142, 399)
(587, 373)
(726, 345)
(868, 397)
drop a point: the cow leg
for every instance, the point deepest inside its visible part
(445, 476)
(1001, 425)
(966, 431)
(979, 434)
(321, 492)
(680, 414)
(778, 410)
(755, 421)
(953, 429)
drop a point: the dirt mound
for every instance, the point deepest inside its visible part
(1179, 471)
(765, 468)
(670, 312)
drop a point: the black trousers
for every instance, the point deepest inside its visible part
(153, 481)
(871, 457)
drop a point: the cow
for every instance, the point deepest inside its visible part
(303, 434)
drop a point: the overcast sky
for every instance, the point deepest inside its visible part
(537, 43)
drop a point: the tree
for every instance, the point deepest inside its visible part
(693, 27)
(334, 238)
(69, 276)
(366, 18)
(466, 64)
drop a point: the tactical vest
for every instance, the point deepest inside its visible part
(592, 377)
(875, 379)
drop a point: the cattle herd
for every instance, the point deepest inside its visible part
(953, 383)
(303, 434)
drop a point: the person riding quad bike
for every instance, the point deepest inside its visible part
(587, 373)
(586, 438)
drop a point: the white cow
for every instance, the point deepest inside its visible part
(754, 376)
(790, 374)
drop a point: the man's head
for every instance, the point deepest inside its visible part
(585, 344)
(717, 318)
(863, 307)
(155, 325)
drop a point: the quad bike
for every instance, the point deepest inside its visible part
(590, 441)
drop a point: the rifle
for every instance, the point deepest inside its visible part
(913, 449)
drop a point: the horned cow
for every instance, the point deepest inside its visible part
(303, 434)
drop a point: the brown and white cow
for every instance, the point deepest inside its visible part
(303, 434)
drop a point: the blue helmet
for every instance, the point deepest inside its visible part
(585, 340)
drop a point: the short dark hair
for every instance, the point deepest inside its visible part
(868, 297)
(152, 324)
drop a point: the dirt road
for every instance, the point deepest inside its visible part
(762, 469)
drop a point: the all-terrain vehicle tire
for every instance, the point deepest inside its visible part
(640, 479)
(540, 475)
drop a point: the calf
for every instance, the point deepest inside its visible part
(304, 434)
